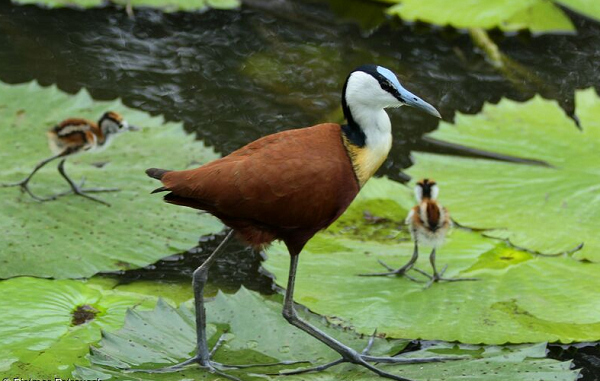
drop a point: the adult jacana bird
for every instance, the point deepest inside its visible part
(289, 185)
(429, 223)
(74, 136)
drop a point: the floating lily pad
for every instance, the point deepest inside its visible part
(519, 298)
(548, 209)
(539, 16)
(166, 5)
(48, 325)
(73, 237)
(258, 333)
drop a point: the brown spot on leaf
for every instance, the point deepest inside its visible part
(83, 314)
(123, 265)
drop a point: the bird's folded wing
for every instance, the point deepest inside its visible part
(294, 179)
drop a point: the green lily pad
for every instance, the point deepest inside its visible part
(243, 315)
(48, 325)
(73, 237)
(539, 16)
(545, 209)
(166, 5)
(258, 333)
(519, 298)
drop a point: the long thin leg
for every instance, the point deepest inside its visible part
(199, 280)
(432, 261)
(77, 189)
(289, 313)
(24, 184)
(439, 276)
(402, 271)
(323, 367)
(348, 354)
(203, 356)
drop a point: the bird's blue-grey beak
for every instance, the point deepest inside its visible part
(412, 100)
(130, 127)
(405, 96)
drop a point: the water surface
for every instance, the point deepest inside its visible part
(233, 76)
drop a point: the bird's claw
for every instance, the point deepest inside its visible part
(352, 357)
(438, 277)
(80, 191)
(76, 189)
(8, 185)
(364, 359)
(213, 366)
(402, 271)
(25, 189)
(209, 365)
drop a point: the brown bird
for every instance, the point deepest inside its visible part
(73, 136)
(288, 186)
(429, 223)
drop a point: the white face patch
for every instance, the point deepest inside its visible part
(366, 101)
(364, 90)
(418, 193)
(435, 191)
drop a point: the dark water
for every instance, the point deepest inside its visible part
(585, 356)
(233, 76)
(238, 265)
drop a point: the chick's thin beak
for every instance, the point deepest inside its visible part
(133, 128)
(414, 101)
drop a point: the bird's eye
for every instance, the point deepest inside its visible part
(387, 86)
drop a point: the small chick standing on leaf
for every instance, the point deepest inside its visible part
(73, 136)
(429, 223)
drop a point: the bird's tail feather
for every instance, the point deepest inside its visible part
(156, 173)
(158, 190)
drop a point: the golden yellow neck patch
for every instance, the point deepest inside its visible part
(365, 161)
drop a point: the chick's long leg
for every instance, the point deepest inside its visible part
(24, 184)
(203, 356)
(436, 277)
(402, 271)
(78, 190)
(348, 354)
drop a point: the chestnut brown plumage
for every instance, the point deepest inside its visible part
(288, 186)
(284, 186)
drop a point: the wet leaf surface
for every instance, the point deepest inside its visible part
(548, 209)
(44, 332)
(256, 332)
(519, 298)
(73, 237)
(538, 16)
